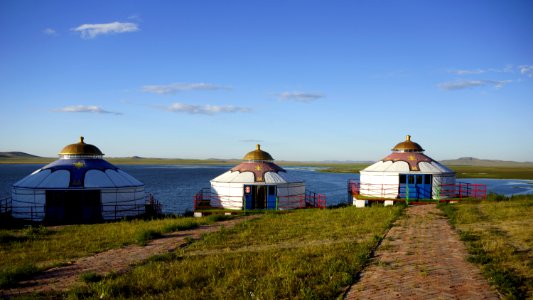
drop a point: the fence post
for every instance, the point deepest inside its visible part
(407, 192)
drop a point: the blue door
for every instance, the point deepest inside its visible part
(415, 186)
(271, 197)
(248, 196)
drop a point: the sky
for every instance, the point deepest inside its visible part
(308, 80)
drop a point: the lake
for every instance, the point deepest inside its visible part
(175, 185)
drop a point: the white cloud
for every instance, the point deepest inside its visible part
(205, 109)
(466, 84)
(300, 96)
(506, 69)
(85, 109)
(89, 31)
(526, 70)
(49, 31)
(179, 87)
(467, 72)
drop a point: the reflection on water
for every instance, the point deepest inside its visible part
(175, 185)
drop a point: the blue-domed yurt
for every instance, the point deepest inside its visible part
(79, 187)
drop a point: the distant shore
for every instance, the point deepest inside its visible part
(514, 171)
(178, 161)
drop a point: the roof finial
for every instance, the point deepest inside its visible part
(81, 140)
(408, 138)
(258, 147)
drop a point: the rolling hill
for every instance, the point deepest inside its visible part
(472, 161)
(17, 154)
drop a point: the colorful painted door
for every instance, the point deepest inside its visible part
(415, 186)
(425, 189)
(271, 197)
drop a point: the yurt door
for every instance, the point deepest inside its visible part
(271, 197)
(415, 186)
(425, 188)
(73, 206)
(255, 196)
(260, 197)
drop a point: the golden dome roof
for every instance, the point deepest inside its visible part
(258, 154)
(81, 149)
(408, 146)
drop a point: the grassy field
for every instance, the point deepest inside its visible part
(499, 238)
(525, 172)
(311, 254)
(521, 172)
(26, 251)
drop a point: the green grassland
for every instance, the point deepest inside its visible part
(495, 172)
(523, 172)
(307, 253)
(169, 161)
(298, 254)
(32, 249)
(311, 254)
(499, 238)
(511, 170)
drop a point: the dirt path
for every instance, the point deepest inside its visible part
(421, 257)
(115, 260)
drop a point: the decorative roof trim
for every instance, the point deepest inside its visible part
(413, 159)
(258, 168)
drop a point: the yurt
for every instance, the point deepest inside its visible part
(257, 183)
(79, 187)
(406, 173)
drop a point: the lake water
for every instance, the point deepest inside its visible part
(175, 185)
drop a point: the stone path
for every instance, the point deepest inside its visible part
(421, 257)
(114, 260)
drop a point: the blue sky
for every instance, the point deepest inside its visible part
(309, 80)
